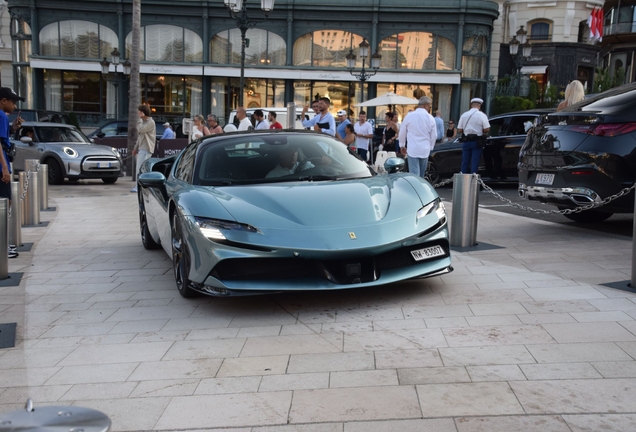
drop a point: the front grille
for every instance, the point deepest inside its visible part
(336, 271)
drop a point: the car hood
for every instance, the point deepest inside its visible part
(306, 205)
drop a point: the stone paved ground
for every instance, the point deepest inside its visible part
(519, 338)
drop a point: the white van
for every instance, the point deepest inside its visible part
(281, 115)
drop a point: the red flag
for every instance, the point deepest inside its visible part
(599, 24)
(591, 24)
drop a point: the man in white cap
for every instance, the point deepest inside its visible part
(474, 125)
(344, 121)
(168, 133)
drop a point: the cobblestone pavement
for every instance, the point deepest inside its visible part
(519, 337)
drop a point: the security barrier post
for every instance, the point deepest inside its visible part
(291, 115)
(463, 229)
(22, 202)
(33, 200)
(15, 220)
(44, 186)
(4, 243)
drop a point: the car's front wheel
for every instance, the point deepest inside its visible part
(432, 175)
(588, 216)
(181, 260)
(56, 173)
(109, 180)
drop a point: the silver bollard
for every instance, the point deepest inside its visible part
(22, 178)
(44, 186)
(55, 418)
(33, 200)
(291, 115)
(31, 165)
(4, 240)
(463, 229)
(15, 220)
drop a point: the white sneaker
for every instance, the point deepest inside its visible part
(12, 254)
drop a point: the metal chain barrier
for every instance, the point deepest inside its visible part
(562, 212)
(580, 209)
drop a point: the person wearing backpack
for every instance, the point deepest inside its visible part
(8, 99)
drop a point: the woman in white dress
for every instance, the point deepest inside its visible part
(199, 129)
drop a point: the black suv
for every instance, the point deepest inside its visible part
(501, 153)
(583, 154)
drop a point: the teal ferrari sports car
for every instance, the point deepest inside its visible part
(270, 211)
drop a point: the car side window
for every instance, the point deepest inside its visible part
(185, 167)
(110, 130)
(496, 127)
(519, 125)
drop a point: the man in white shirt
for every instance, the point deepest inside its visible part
(323, 121)
(288, 162)
(364, 134)
(418, 134)
(473, 124)
(245, 123)
(259, 117)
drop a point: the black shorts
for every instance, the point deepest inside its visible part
(5, 190)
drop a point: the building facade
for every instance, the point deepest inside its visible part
(618, 48)
(558, 32)
(190, 54)
(6, 54)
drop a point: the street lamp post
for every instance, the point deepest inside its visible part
(519, 55)
(238, 11)
(363, 74)
(115, 58)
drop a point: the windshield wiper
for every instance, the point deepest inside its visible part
(317, 178)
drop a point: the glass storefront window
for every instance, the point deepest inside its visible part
(417, 50)
(259, 93)
(265, 48)
(81, 92)
(167, 43)
(327, 48)
(439, 93)
(475, 57)
(343, 94)
(77, 39)
(53, 90)
(172, 96)
(24, 85)
(21, 50)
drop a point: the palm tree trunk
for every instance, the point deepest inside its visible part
(135, 90)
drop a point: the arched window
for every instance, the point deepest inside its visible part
(327, 48)
(475, 56)
(168, 43)
(540, 30)
(77, 39)
(265, 48)
(417, 50)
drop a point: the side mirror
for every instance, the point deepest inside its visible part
(26, 140)
(92, 140)
(101, 135)
(394, 165)
(152, 180)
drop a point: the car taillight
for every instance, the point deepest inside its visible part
(605, 129)
(583, 172)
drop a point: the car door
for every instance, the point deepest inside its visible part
(23, 150)
(516, 134)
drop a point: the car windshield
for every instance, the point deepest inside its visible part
(276, 157)
(60, 135)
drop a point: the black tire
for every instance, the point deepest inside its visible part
(181, 260)
(56, 173)
(432, 175)
(146, 239)
(109, 180)
(588, 216)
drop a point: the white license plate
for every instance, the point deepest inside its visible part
(429, 252)
(545, 179)
(103, 164)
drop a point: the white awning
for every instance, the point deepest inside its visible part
(533, 70)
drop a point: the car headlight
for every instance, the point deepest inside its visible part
(70, 151)
(212, 228)
(436, 206)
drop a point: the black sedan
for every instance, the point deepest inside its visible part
(500, 156)
(584, 154)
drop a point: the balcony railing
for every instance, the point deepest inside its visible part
(540, 37)
(623, 27)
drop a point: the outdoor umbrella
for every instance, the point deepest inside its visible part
(389, 99)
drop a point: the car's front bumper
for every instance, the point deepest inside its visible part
(93, 167)
(252, 272)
